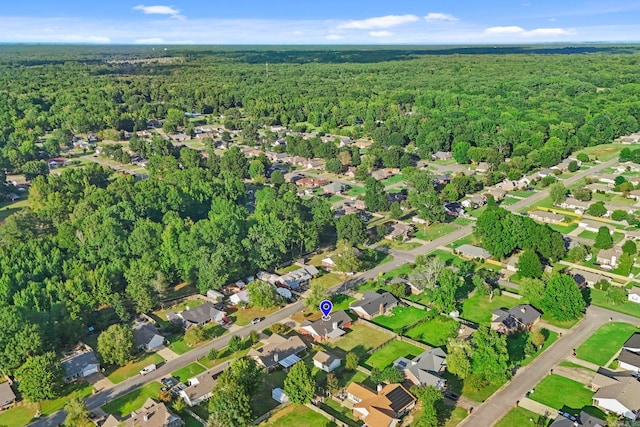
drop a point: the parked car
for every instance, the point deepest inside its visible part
(169, 382)
(147, 369)
(257, 320)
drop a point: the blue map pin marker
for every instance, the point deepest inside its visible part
(325, 307)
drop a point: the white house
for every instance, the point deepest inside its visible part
(629, 361)
(622, 397)
(594, 226)
(634, 295)
(326, 361)
(238, 297)
(200, 387)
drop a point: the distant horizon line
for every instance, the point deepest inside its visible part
(564, 43)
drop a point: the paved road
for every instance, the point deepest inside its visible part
(488, 413)
(400, 259)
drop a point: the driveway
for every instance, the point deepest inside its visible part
(489, 412)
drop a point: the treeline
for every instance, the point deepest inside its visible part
(97, 247)
(535, 109)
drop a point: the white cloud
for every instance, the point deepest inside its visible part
(435, 16)
(379, 22)
(519, 31)
(334, 37)
(380, 33)
(159, 10)
(151, 40)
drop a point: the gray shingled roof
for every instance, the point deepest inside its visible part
(634, 341)
(76, 364)
(630, 358)
(371, 301)
(326, 327)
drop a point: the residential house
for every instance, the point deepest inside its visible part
(300, 277)
(292, 177)
(598, 187)
(609, 257)
(475, 201)
(57, 161)
(632, 234)
(152, 414)
(442, 155)
(327, 328)
(594, 226)
(360, 205)
(7, 396)
(607, 178)
(634, 194)
(310, 182)
(545, 173)
(313, 164)
(328, 263)
(482, 167)
(473, 252)
(414, 289)
(80, 364)
(576, 205)
(583, 420)
(396, 197)
(627, 167)
(279, 350)
(508, 185)
(629, 361)
(333, 188)
(382, 408)
(239, 297)
(512, 263)
(326, 361)
(199, 316)
(633, 138)
(345, 142)
(547, 217)
(425, 368)
(634, 294)
(147, 337)
(519, 318)
(442, 179)
(497, 194)
(214, 295)
(373, 304)
(633, 343)
(453, 209)
(586, 278)
(350, 172)
(200, 388)
(621, 397)
(381, 174)
(399, 231)
(611, 207)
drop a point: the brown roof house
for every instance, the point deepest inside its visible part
(152, 414)
(279, 350)
(399, 230)
(609, 257)
(548, 217)
(382, 408)
(373, 304)
(519, 318)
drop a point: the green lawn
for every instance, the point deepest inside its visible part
(400, 246)
(516, 345)
(403, 270)
(244, 316)
(435, 332)
(564, 229)
(434, 231)
(393, 180)
(340, 412)
(602, 152)
(81, 389)
(9, 208)
(288, 269)
(341, 301)
(477, 212)
(522, 193)
(132, 369)
(335, 198)
(189, 371)
(360, 339)
(600, 347)
(262, 402)
(520, 417)
(466, 240)
(508, 201)
(223, 355)
(400, 318)
(18, 416)
(478, 308)
(463, 221)
(386, 355)
(130, 402)
(298, 416)
(599, 298)
(356, 191)
(189, 421)
(563, 394)
(328, 280)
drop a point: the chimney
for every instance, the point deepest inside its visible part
(523, 309)
(379, 388)
(335, 325)
(145, 418)
(275, 357)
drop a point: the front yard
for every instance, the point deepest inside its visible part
(400, 317)
(599, 298)
(564, 395)
(520, 417)
(132, 369)
(244, 316)
(328, 280)
(516, 345)
(434, 231)
(189, 371)
(478, 308)
(600, 347)
(435, 332)
(130, 402)
(386, 355)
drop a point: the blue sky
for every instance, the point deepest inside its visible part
(319, 21)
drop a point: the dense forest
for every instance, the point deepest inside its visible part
(94, 240)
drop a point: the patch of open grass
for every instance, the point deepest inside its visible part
(298, 416)
(356, 190)
(516, 346)
(18, 416)
(359, 339)
(435, 332)
(599, 298)
(189, 371)
(9, 208)
(400, 317)
(600, 347)
(563, 394)
(244, 316)
(328, 280)
(386, 355)
(434, 231)
(478, 308)
(130, 402)
(393, 180)
(133, 368)
(81, 389)
(520, 417)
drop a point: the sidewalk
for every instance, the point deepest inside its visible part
(584, 363)
(537, 407)
(580, 375)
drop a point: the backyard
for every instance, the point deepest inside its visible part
(399, 318)
(564, 394)
(130, 402)
(298, 416)
(516, 346)
(478, 308)
(600, 347)
(386, 355)
(435, 332)
(360, 340)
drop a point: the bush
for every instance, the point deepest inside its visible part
(279, 328)
(582, 157)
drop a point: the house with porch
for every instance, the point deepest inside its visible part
(81, 363)
(425, 369)
(278, 351)
(147, 337)
(473, 252)
(201, 315)
(373, 304)
(200, 387)
(519, 318)
(326, 361)
(621, 397)
(325, 329)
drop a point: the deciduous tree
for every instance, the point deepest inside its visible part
(299, 385)
(563, 299)
(115, 345)
(41, 377)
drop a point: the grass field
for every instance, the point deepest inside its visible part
(393, 180)
(9, 208)
(81, 390)
(189, 371)
(563, 394)
(244, 316)
(400, 318)
(466, 240)
(434, 231)
(18, 416)
(355, 191)
(599, 298)
(508, 201)
(520, 417)
(328, 280)
(335, 198)
(360, 339)
(132, 369)
(386, 355)
(463, 221)
(400, 271)
(297, 416)
(130, 402)
(435, 332)
(478, 308)
(600, 347)
(602, 152)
